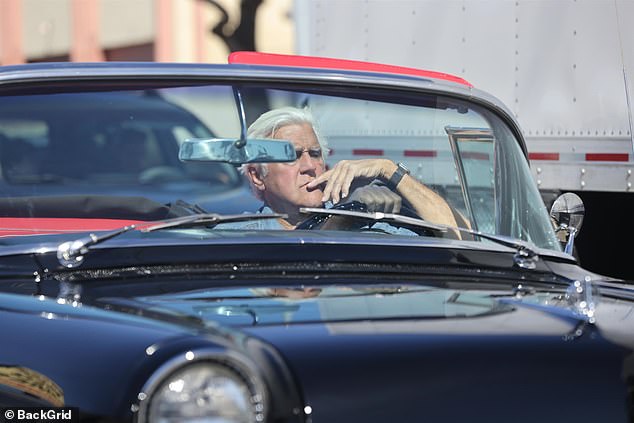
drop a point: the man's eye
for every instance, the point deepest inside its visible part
(313, 153)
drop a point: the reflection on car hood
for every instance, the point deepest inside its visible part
(267, 306)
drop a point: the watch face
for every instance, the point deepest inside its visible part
(404, 168)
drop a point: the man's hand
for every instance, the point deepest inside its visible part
(426, 203)
(340, 177)
(378, 198)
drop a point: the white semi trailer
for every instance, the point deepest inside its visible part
(565, 68)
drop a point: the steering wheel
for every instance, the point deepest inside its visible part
(319, 219)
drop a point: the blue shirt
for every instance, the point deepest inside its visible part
(274, 224)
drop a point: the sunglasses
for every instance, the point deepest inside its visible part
(313, 153)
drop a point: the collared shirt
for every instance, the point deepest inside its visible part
(259, 224)
(274, 224)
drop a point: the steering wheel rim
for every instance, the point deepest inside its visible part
(316, 221)
(319, 219)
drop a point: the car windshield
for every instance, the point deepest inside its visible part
(115, 155)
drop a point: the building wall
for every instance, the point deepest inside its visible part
(162, 30)
(127, 22)
(46, 28)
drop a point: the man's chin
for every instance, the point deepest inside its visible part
(314, 199)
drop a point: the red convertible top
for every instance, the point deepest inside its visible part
(255, 58)
(81, 213)
(20, 226)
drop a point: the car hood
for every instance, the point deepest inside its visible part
(481, 309)
(527, 364)
(258, 306)
(398, 353)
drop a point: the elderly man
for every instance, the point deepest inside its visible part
(285, 187)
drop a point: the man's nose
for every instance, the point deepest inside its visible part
(306, 163)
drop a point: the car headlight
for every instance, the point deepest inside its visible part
(203, 391)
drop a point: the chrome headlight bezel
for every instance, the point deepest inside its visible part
(240, 366)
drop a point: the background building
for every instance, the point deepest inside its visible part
(143, 30)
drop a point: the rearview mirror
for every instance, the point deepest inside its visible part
(236, 151)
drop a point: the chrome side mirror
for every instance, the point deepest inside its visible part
(567, 214)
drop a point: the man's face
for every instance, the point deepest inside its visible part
(285, 183)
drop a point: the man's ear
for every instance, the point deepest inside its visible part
(253, 174)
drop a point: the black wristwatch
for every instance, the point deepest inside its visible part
(396, 177)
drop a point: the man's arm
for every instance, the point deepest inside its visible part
(428, 204)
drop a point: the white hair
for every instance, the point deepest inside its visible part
(268, 123)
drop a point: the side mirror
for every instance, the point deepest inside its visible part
(567, 213)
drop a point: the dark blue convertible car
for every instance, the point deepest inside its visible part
(291, 239)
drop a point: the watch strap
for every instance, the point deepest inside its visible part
(396, 177)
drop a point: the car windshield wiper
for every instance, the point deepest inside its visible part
(71, 253)
(209, 220)
(525, 256)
